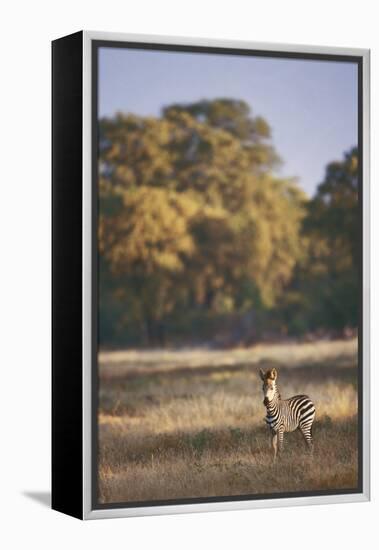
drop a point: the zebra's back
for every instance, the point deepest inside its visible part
(298, 412)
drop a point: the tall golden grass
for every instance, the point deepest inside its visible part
(190, 424)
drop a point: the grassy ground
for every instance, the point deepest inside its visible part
(190, 423)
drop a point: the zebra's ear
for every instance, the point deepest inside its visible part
(262, 374)
(273, 374)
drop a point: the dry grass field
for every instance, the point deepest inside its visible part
(189, 424)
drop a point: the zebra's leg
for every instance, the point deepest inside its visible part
(306, 430)
(280, 441)
(274, 443)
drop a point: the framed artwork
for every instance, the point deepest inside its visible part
(210, 275)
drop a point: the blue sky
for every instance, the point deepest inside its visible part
(311, 106)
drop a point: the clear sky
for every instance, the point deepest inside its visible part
(311, 106)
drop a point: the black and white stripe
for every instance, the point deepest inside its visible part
(286, 415)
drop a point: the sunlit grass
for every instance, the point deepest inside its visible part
(186, 428)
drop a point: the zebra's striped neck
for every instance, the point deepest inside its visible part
(272, 406)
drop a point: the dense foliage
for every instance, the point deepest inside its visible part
(199, 241)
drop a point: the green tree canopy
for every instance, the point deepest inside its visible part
(327, 282)
(233, 116)
(192, 218)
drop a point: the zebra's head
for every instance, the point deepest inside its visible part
(269, 384)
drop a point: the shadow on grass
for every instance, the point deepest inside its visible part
(226, 439)
(341, 369)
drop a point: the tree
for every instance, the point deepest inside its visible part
(334, 212)
(234, 116)
(144, 243)
(190, 214)
(325, 288)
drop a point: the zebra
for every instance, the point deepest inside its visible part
(286, 415)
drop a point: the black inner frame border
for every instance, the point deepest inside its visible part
(230, 51)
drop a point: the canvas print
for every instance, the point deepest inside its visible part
(229, 276)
